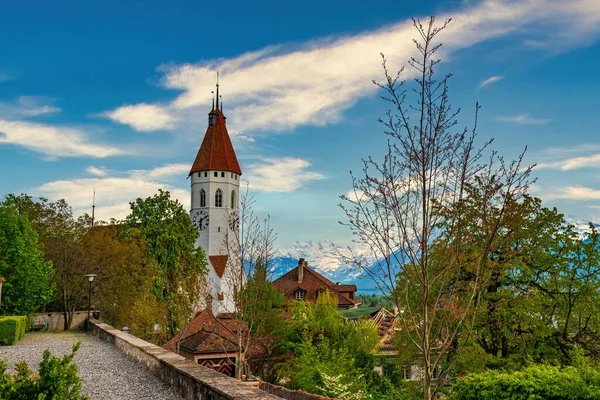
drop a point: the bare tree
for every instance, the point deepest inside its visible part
(410, 208)
(249, 243)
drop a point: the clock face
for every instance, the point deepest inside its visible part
(234, 221)
(200, 219)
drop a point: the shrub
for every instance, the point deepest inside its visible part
(12, 329)
(535, 382)
(56, 379)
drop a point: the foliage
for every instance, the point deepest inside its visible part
(578, 382)
(59, 235)
(169, 238)
(12, 329)
(325, 354)
(374, 300)
(125, 279)
(543, 295)
(399, 207)
(56, 379)
(28, 276)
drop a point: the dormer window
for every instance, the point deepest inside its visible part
(219, 198)
(299, 294)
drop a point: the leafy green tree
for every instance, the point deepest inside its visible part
(169, 238)
(56, 379)
(28, 276)
(60, 235)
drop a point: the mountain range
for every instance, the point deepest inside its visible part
(324, 257)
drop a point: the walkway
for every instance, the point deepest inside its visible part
(106, 372)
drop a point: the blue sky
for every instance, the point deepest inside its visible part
(114, 96)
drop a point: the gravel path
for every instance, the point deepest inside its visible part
(106, 372)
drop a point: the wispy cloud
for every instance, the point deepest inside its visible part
(574, 193)
(97, 171)
(276, 89)
(572, 163)
(524, 119)
(490, 80)
(27, 106)
(280, 174)
(53, 141)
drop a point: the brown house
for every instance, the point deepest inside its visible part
(304, 283)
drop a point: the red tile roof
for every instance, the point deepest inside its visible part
(216, 151)
(204, 321)
(219, 263)
(205, 342)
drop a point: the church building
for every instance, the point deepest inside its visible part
(214, 185)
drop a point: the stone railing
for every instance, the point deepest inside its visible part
(291, 394)
(191, 380)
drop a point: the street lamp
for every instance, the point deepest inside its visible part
(90, 280)
(2, 280)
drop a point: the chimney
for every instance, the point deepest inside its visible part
(301, 263)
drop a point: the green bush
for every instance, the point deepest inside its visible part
(12, 329)
(532, 383)
(56, 379)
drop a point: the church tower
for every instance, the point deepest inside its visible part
(215, 181)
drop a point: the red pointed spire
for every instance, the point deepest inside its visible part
(216, 152)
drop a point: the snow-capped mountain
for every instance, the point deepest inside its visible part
(582, 227)
(325, 258)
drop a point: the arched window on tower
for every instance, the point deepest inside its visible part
(219, 198)
(233, 199)
(202, 198)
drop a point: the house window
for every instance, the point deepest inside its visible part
(205, 174)
(232, 175)
(219, 198)
(222, 174)
(233, 199)
(216, 174)
(236, 177)
(406, 372)
(199, 174)
(202, 198)
(319, 293)
(299, 294)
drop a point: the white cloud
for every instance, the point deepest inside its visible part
(164, 171)
(280, 174)
(27, 106)
(53, 141)
(572, 163)
(490, 80)
(275, 90)
(113, 190)
(143, 117)
(575, 193)
(96, 171)
(524, 119)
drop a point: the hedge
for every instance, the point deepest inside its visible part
(12, 329)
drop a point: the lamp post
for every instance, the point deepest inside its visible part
(2, 280)
(90, 280)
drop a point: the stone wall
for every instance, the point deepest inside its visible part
(291, 394)
(56, 320)
(191, 380)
